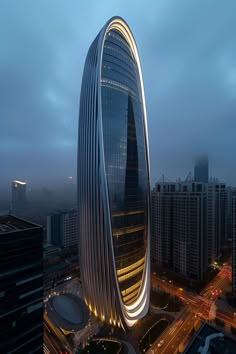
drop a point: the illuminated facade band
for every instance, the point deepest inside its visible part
(113, 179)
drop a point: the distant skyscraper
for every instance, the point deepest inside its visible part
(62, 228)
(21, 286)
(178, 239)
(234, 245)
(201, 170)
(18, 194)
(113, 179)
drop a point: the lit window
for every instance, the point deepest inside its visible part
(13, 324)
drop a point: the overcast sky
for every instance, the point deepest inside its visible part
(188, 55)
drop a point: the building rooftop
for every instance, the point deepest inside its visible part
(18, 182)
(63, 211)
(10, 223)
(217, 345)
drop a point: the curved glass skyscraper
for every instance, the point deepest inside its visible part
(113, 179)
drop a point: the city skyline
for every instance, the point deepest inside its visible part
(118, 179)
(188, 56)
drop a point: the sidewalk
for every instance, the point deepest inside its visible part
(163, 312)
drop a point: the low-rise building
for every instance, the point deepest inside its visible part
(62, 228)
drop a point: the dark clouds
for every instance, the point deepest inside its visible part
(195, 101)
(188, 56)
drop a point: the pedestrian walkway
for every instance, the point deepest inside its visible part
(160, 311)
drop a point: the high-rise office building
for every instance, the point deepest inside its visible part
(201, 170)
(189, 232)
(234, 244)
(113, 179)
(167, 202)
(162, 224)
(178, 239)
(21, 286)
(216, 213)
(18, 194)
(62, 228)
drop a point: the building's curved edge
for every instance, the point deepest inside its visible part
(99, 274)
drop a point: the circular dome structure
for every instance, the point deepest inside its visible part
(68, 308)
(68, 312)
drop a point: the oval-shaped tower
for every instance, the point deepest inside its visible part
(113, 179)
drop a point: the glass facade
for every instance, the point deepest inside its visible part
(125, 161)
(113, 179)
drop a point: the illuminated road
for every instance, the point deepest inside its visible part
(175, 334)
(53, 335)
(51, 341)
(198, 307)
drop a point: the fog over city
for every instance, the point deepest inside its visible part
(188, 57)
